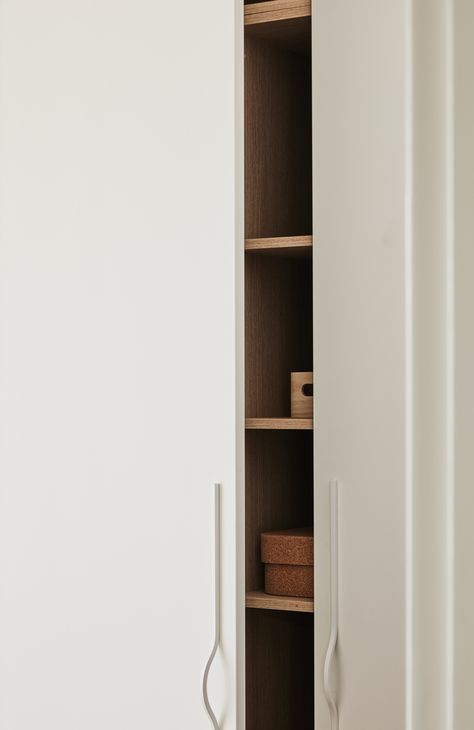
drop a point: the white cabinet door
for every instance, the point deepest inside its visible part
(116, 361)
(360, 354)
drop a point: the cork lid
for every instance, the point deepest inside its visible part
(288, 547)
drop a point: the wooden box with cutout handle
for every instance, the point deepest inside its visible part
(301, 395)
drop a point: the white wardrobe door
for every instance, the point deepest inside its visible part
(360, 355)
(117, 361)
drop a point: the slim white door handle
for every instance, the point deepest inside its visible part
(334, 605)
(217, 601)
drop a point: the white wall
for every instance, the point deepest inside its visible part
(441, 643)
(428, 288)
(463, 219)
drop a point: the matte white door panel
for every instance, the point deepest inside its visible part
(359, 132)
(117, 407)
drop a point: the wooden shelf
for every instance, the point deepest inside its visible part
(291, 246)
(280, 424)
(275, 10)
(259, 599)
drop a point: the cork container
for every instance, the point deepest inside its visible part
(301, 395)
(288, 556)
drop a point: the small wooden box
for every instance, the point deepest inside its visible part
(301, 395)
(289, 557)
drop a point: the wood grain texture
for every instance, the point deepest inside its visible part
(301, 403)
(279, 670)
(279, 424)
(278, 333)
(276, 10)
(259, 599)
(278, 151)
(289, 246)
(278, 340)
(292, 34)
(278, 491)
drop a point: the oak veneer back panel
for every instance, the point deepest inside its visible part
(280, 672)
(278, 490)
(278, 331)
(294, 34)
(278, 157)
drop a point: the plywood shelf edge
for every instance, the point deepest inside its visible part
(291, 245)
(259, 599)
(282, 424)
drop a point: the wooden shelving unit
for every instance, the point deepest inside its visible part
(279, 424)
(278, 341)
(259, 599)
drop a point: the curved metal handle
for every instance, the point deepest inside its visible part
(334, 608)
(217, 599)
